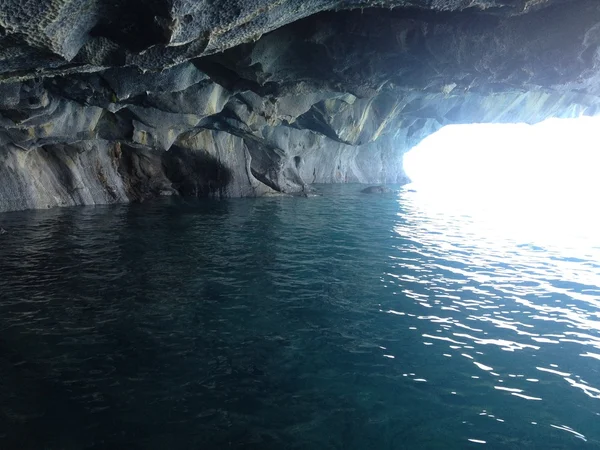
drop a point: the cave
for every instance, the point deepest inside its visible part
(299, 224)
(99, 100)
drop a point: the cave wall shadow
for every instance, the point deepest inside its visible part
(195, 173)
(190, 173)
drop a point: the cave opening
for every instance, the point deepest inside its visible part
(539, 181)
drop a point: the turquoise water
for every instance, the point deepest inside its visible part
(345, 321)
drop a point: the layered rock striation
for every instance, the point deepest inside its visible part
(104, 102)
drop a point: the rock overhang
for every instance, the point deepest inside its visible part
(266, 96)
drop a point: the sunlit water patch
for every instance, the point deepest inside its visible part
(346, 321)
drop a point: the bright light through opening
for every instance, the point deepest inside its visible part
(542, 179)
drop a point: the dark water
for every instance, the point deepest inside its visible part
(341, 322)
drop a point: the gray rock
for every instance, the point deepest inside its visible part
(377, 190)
(104, 102)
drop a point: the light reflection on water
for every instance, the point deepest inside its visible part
(502, 274)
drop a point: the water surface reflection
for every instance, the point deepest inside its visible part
(344, 321)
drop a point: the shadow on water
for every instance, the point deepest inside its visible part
(98, 325)
(164, 324)
(36, 410)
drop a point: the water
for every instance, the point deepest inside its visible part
(346, 321)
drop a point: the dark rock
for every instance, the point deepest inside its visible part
(104, 102)
(377, 190)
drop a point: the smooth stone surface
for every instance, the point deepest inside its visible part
(276, 95)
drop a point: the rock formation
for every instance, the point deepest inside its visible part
(112, 101)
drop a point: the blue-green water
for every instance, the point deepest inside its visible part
(345, 321)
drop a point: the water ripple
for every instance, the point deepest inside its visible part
(344, 321)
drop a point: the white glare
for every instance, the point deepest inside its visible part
(541, 181)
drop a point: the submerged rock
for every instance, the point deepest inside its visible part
(377, 190)
(104, 102)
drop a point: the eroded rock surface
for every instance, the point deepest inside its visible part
(104, 102)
